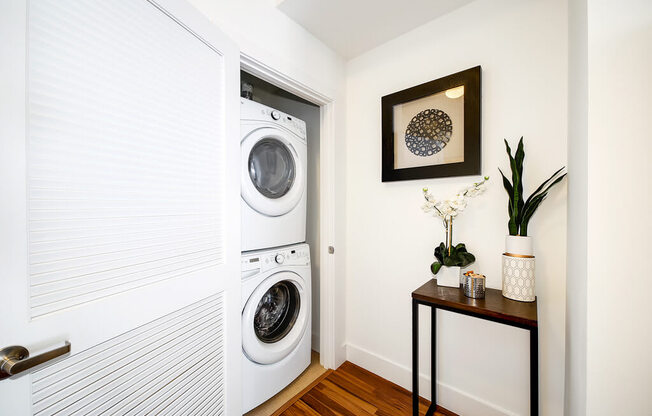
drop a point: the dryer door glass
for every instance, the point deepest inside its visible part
(271, 168)
(277, 312)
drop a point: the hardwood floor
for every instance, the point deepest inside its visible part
(353, 391)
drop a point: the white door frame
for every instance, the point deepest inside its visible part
(327, 324)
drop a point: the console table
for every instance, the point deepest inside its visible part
(494, 307)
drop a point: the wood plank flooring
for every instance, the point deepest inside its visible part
(353, 391)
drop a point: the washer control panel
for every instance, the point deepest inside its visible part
(298, 255)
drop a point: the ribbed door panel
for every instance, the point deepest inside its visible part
(125, 151)
(173, 365)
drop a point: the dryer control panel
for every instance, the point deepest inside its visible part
(254, 111)
(261, 261)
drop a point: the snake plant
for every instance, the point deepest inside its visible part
(520, 209)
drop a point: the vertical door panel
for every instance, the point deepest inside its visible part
(173, 363)
(120, 212)
(125, 145)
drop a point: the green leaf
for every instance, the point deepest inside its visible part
(544, 184)
(450, 260)
(510, 193)
(533, 204)
(531, 209)
(460, 247)
(520, 156)
(509, 150)
(520, 201)
(434, 267)
(516, 202)
(440, 251)
(508, 186)
(556, 181)
(466, 259)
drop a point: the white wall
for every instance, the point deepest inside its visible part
(619, 341)
(522, 47)
(575, 382)
(262, 31)
(269, 36)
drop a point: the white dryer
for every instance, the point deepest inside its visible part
(275, 321)
(273, 189)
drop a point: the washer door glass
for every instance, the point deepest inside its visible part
(271, 168)
(277, 312)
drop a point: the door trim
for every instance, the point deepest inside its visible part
(327, 312)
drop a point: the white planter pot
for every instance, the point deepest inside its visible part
(522, 246)
(449, 276)
(518, 278)
(518, 269)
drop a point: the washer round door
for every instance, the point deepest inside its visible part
(275, 318)
(273, 177)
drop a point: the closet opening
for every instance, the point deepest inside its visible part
(295, 108)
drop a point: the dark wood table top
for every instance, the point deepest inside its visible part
(494, 305)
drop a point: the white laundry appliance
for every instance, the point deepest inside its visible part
(276, 332)
(273, 183)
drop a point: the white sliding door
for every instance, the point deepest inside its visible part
(119, 210)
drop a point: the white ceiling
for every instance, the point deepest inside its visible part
(351, 27)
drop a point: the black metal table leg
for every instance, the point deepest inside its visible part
(415, 358)
(534, 371)
(433, 361)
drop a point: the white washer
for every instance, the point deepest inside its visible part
(275, 321)
(274, 158)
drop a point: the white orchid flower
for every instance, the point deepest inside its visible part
(458, 205)
(450, 208)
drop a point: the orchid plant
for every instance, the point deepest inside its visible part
(447, 210)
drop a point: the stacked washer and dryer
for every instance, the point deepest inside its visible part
(276, 329)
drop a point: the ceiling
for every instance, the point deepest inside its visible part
(351, 27)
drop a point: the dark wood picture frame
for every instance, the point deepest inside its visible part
(471, 165)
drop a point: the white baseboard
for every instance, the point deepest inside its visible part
(449, 397)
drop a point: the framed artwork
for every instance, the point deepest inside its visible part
(432, 130)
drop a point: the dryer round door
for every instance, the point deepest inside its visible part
(273, 176)
(275, 318)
